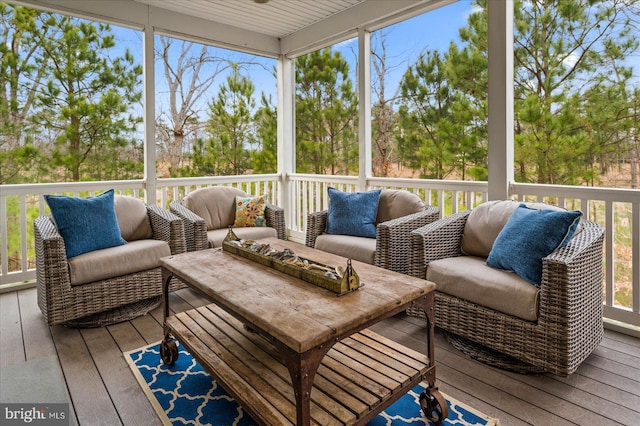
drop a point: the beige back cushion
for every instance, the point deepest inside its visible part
(485, 223)
(216, 205)
(132, 218)
(395, 203)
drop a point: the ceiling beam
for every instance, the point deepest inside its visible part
(133, 14)
(369, 15)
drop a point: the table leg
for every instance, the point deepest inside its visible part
(433, 404)
(302, 368)
(168, 347)
(166, 280)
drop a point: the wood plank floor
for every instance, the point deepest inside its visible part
(103, 391)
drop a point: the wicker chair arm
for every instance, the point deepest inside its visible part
(49, 242)
(195, 229)
(168, 227)
(52, 269)
(572, 276)
(275, 219)
(437, 240)
(393, 239)
(316, 224)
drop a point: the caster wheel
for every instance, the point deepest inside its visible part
(168, 352)
(433, 405)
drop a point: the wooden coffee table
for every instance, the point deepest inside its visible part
(293, 353)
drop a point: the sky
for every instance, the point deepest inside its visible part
(433, 30)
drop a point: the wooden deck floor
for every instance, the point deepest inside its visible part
(102, 389)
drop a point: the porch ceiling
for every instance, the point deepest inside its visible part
(276, 18)
(296, 25)
(289, 27)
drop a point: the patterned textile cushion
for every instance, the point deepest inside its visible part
(132, 218)
(250, 211)
(528, 237)
(353, 213)
(395, 203)
(86, 224)
(215, 204)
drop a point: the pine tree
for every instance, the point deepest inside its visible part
(86, 100)
(22, 69)
(565, 51)
(265, 157)
(326, 114)
(231, 129)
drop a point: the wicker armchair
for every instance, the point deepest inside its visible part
(64, 299)
(399, 213)
(569, 311)
(208, 213)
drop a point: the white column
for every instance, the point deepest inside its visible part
(149, 106)
(364, 96)
(286, 133)
(500, 97)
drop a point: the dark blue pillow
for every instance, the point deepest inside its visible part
(86, 224)
(529, 236)
(353, 213)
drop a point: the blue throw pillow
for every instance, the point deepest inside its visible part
(353, 213)
(529, 236)
(86, 224)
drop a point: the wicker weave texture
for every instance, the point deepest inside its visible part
(61, 302)
(569, 325)
(196, 229)
(392, 237)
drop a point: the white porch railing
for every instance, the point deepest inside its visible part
(618, 210)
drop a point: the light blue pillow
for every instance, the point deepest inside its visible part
(353, 213)
(86, 224)
(529, 236)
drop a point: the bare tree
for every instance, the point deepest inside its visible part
(384, 120)
(189, 71)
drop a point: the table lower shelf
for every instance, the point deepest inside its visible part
(358, 378)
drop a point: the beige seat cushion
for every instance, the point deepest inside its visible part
(357, 248)
(487, 220)
(469, 278)
(395, 203)
(483, 226)
(132, 257)
(216, 205)
(133, 219)
(216, 236)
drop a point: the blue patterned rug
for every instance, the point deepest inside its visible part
(185, 394)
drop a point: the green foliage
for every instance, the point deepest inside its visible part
(326, 114)
(65, 107)
(264, 159)
(575, 111)
(87, 97)
(440, 132)
(443, 113)
(228, 149)
(66, 104)
(21, 69)
(571, 87)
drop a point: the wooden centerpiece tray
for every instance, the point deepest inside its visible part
(340, 280)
